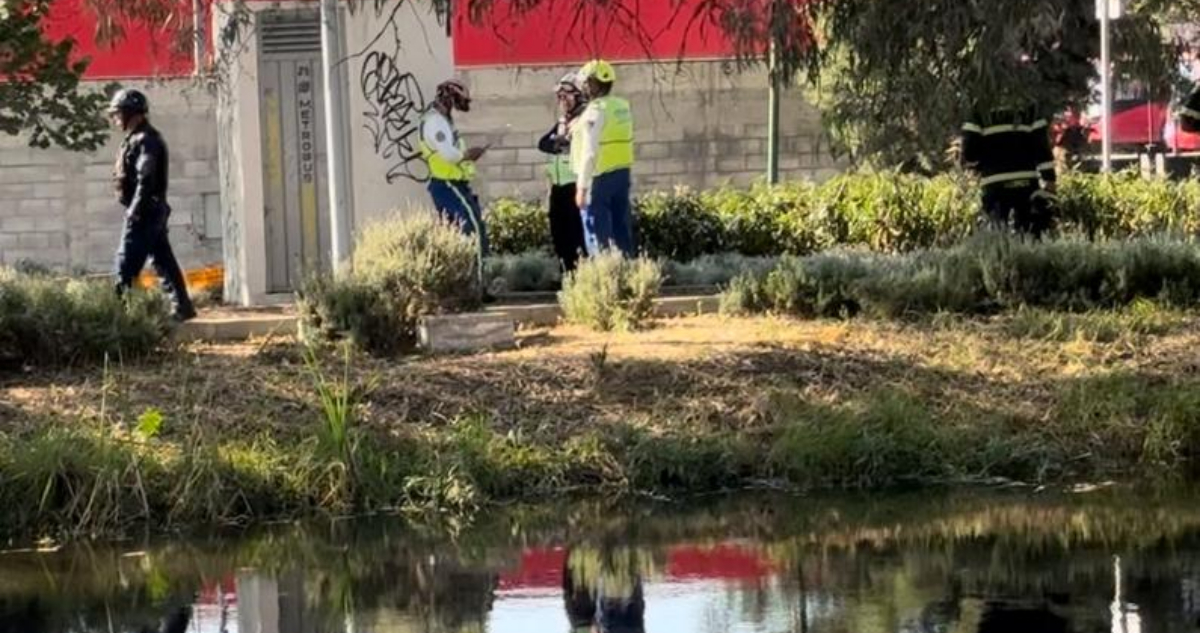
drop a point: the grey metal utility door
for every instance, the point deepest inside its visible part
(295, 194)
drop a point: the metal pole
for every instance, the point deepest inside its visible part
(773, 115)
(1105, 89)
(340, 239)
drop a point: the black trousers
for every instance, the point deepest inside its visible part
(566, 226)
(1020, 205)
(146, 238)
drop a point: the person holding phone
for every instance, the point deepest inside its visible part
(452, 164)
(566, 225)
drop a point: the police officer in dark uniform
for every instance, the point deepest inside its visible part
(140, 176)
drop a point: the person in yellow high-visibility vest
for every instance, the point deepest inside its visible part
(566, 227)
(602, 158)
(451, 164)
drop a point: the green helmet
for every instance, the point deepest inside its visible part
(599, 70)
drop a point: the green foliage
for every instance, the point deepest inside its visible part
(985, 274)
(516, 227)
(713, 270)
(895, 93)
(536, 271)
(678, 226)
(609, 292)
(894, 212)
(96, 480)
(1140, 319)
(149, 424)
(425, 263)
(890, 438)
(532, 271)
(885, 211)
(339, 400)
(341, 460)
(52, 322)
(1125, 204)
(46, 100)
(339, 308)
(403, 268)
(673, 461)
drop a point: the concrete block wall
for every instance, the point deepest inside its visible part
(699, 125)
(57, 207)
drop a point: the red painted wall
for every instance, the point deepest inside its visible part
(540, 37)
(144, 52)
(546, 36)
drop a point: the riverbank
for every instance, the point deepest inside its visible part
(234, 434)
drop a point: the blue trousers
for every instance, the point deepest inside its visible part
(608, 217)
(457, 204)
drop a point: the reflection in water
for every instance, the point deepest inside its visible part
(603, 590)
(897, 565)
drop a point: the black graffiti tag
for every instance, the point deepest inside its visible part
(394, 117)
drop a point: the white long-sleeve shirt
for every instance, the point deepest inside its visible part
(439, 134)
(586, 131)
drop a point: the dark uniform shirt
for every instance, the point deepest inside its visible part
(141, 173)
(1007, 146)
(1189, 115)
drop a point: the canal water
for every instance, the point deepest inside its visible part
(1021, 562)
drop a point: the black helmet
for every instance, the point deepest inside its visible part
(129, 102)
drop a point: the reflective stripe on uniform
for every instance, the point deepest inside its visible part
(971, 127)
(469, 209)
(1046, 166)
(1009, 176)
(1190, 113)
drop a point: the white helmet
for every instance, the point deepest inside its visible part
(569, 84)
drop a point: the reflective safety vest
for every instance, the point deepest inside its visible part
(616, 139)
(440, 168)
(559, 170)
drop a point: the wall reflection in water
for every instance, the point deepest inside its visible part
(942, 565)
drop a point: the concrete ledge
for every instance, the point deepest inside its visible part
(466, 332)
(473, 331)
(687, 306)
(237, 328)
(549, 314)
(533, 315)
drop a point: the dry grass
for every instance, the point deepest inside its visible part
(707, 370)
(693, 405)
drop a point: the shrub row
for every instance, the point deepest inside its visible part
(402, 268)
(985, 274)
(538, 271)
(885, 212)
(47, 322)
(609, 292)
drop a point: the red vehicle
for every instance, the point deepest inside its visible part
(1137, 124)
